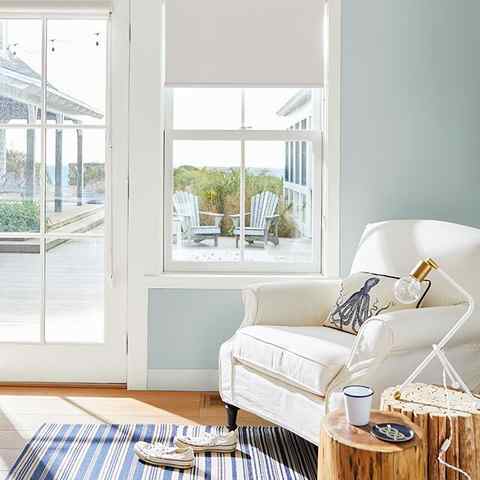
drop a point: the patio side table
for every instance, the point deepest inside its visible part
(353, 453)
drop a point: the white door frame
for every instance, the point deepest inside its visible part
(80, 359)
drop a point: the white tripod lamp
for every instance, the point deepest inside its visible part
(408, 290)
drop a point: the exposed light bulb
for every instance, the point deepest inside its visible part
(407, 290)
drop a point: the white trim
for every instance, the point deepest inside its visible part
(57, 8)
(243, 135)
(117, 114)
(53, 126)
(183, 379)
(247, 135)
(247, 267)
(145, 170)
(332, 145)
(207, 281)
(65, 361)
(146, 260)
(52, 234)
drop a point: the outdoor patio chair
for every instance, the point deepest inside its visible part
(263, 220)
(186, 208)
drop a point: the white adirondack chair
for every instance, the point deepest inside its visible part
(263, 220)
(187, 209)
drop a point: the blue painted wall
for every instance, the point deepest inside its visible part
(410, 114)
(410, 149)
(187, 326)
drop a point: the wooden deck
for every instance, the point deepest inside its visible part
(74, 293)
(289, 250)
(82, 219)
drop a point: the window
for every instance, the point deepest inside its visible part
(234, 160)
(53, 77)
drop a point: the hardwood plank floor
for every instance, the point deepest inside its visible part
(24, 409)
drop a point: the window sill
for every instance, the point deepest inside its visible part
(226, 281)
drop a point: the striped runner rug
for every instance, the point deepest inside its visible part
(105, 452)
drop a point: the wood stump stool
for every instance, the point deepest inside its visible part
(425, 406)
(353, 453)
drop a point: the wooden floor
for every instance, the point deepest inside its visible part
(24, 409)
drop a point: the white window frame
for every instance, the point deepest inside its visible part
(42, 127)
(242, 135)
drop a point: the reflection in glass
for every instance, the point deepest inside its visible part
(20, 72)
(75, 180)
(206, 192)
(20, 284)
(74, 303)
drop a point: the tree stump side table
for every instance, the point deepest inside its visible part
(353, 453)
(425, 406)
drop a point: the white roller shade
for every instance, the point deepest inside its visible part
(244, 42)
(86, 7)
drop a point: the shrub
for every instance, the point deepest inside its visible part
(219, 192)
(20, 216)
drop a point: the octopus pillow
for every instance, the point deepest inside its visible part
(364, 295)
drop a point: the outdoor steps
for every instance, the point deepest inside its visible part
(80, 223)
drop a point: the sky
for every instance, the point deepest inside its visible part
(217, 108)
(77, 66)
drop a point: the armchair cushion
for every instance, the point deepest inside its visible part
(305, 357)
(364, 295)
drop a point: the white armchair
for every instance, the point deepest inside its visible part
(282, 364)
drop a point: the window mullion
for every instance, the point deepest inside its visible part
(242, 182)
(43, 193)
(249, 135)
(242, 201)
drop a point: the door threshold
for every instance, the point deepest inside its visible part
(119, 386)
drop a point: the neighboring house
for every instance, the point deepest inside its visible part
(298, 162)
(21, 100)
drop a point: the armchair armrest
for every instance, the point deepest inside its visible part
(294, 303)
(402, 331)
(421, 328)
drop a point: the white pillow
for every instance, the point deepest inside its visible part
(364, 295)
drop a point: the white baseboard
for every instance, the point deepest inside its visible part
(182, 379)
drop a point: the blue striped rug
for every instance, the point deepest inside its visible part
(105, 452)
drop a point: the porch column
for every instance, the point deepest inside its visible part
(79, 166)
(58, 165)
(30, 158)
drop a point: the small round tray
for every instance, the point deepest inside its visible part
(392, 432)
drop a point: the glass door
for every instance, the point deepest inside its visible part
(57, 178)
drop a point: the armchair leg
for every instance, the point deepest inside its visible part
(232, 412)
